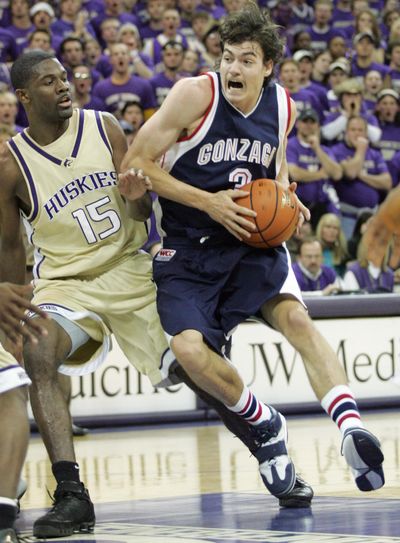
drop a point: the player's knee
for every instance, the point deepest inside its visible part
(190, 352)
(298, 323)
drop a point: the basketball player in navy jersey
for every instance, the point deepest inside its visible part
(217, 132)
(61, 174)
(14, 427)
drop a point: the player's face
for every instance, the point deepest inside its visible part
(243, 71)
(48, 94)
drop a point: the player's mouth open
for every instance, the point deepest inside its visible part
(65, 102)
(235, 85)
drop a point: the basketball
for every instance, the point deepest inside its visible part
(277, 212)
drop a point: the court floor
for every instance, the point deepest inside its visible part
(196, 483)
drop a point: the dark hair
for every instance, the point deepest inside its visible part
(128, 104)
(70, 39)
(24, 67)
(38, 31)
(252, 24)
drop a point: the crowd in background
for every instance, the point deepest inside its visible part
(341, 65)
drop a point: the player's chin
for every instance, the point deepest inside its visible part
(65, 113)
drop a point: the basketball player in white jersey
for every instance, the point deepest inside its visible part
(61, 174)
(14, 427)
(216, 132)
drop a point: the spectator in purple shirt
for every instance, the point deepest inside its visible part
(212, 8)
(153, 48)
(73, 20)
(350, 98)
(321, 31)
(301, 16)
(113, 9)
(154, 25)
(337, 47)
(312, 275)
(42, 15)
(305, 61)
(122, 87)
(394, 169)
(313, 167)
(8, 47)
(21, 25)
(9, 110)
(373, 84)
(364, 275)
(108, 33)
(339, 71)
(141, 64)
(96, 59)
(388, 114)
(365, 174)
(394, 64)
(289, 77)
(363, 60)
(82, 89)
(39, 39)
(72, 54)
(342, 15)
(162, 83)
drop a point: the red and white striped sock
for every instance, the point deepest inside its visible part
(249, 408)
(341, 406)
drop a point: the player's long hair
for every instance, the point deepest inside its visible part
(253, 24)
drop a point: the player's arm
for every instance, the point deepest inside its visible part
(139, 205)
(283, 174)
(12, 250)
(382, 226)
(185, 105)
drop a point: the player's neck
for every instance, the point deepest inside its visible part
(45, 133)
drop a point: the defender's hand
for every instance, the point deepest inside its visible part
(13, 317)
(133, 184)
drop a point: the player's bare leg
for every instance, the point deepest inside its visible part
(14, 427)
(215, 375)
(72, 510)
(360, 448)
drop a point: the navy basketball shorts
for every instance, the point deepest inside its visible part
(212, 289)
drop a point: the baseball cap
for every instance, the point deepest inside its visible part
(42, 6)
(340, 64)
(308, 113)
(172, 44)
(303, 53)
(350, 86)
(365, 34)
(388, 92)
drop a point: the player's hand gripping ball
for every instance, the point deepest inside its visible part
(277, 212)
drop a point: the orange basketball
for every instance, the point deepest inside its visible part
(277, 212)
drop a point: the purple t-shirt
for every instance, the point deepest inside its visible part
(359, 73)
(320, 39)
(389, 142)
(95, 103)
(354, 191)
(303, 156)
(395, 75)
(394, 169)
(306, 283)
(161, 86)
(65, 28)
(114, 96)
(8, 47)
(342, 19)
(306, 99)
(20, 36)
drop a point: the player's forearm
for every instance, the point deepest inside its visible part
(170, 188)
(140, 209)
(12, 263)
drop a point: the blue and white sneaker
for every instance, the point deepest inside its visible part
(363, 454)
(276, 468)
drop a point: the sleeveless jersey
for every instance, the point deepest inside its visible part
(78, 224)
(227, 150)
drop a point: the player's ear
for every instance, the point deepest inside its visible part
(22, 95)
(268, 67)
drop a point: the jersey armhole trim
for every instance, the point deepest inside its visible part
(28, 176)
(187, 138)
(289, 111)
(103, 134)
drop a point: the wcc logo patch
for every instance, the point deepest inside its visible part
(164, 255)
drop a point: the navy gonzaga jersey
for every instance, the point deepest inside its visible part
(227, 150)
